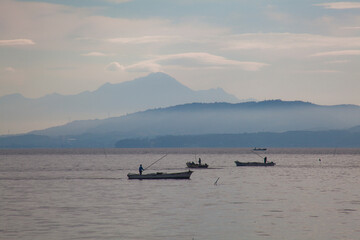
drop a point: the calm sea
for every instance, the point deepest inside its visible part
(85, 194)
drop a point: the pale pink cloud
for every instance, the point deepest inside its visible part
(95, 54)
(286, 41)
(16, 42)
(339, 5)
(337, 53)
(188, 60)
(114, 66)
(141, 39)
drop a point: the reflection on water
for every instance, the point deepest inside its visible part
(85, 194)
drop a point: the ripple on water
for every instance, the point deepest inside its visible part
(355, 202)
(276, 211)
(346, 210)
(263, 234)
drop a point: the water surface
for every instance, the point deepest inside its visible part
(85, 194)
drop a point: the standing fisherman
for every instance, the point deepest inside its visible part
(141, 169)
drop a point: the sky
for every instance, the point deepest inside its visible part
(263, 49)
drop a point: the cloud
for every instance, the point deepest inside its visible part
(201, 59)
(286, 41)
(114, 66)
(16, 42)
(339, 5)
(187, 60)
(145, 66)
(141, 40)
(95, 54)
(337, 53)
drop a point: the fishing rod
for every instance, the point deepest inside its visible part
(258, 154)
(155, 161)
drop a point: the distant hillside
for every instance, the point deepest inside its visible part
(272, 123)
(20, 114)
(292, 139)
(297, 139)
(218, 118)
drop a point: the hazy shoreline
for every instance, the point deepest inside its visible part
(105, 151)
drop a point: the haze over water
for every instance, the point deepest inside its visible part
(85, 194)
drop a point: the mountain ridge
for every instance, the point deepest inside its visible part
(346, 138)
(273, 123)
(21, 114)
(291, 139)
(205, 118)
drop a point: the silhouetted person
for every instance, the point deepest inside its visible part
(199, 161)
(265, 159)
(141, 169)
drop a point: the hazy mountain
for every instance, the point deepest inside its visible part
(273, 123)
(20, 114)
(291, 139)
(218, 118)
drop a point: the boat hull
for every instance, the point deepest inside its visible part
(259, 149)
(160, 175)
(195, 165)
(254, 164)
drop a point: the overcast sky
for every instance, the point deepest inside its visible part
(263, 49)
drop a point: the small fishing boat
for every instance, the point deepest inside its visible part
(254, 164)
(259, 149)
(196, 165)
(161, 175)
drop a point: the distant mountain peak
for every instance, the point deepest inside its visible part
(154, 90)
(159, 74)
(158, 77)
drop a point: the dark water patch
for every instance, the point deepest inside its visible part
(262, 234)
(276, 211)
(236, 203)
(267, 200)
(210, 204)
(347, 210)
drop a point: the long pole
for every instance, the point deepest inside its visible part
(155, 162)
(258, 155)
